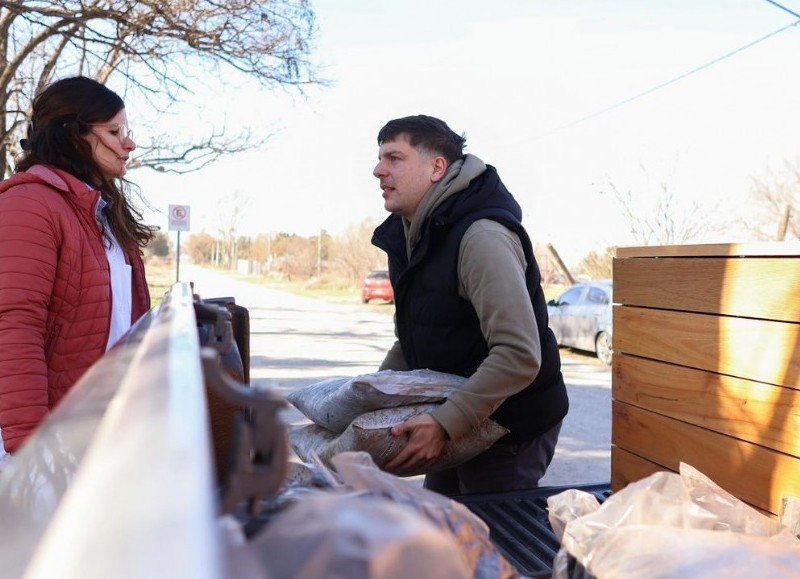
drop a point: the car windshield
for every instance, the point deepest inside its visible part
(571, 296)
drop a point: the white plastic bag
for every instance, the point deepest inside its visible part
(567, 506)
(670, 525)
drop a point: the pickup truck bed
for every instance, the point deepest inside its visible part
(519, 526)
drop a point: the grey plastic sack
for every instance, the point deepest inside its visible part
(336, 402)
(370, 433)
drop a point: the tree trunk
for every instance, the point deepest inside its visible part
(783, 223)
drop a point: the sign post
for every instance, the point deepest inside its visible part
(178, 221)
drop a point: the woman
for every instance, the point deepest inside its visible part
(71, 273)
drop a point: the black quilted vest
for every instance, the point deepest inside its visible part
(440, 330)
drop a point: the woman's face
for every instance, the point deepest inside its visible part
(111, 145)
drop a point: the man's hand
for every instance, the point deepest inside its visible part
(426, 440)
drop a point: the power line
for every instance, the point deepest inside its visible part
(675, 79)
(785, 9)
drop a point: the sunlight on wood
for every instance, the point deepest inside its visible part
(707, 366)
(769, 358)
(763, 413)
(774, 289)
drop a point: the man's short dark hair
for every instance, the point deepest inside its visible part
(428, 133)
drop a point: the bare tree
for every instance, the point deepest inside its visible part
(200, 248)
(665, 221)
(261, 252)
(549, 268)
(231, 210)
(597, 265)
(352, 254)
(295, 256)
(155, 45)
(776, 204)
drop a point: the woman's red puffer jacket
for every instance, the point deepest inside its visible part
(55, 294)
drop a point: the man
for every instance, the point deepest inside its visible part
(468, 301)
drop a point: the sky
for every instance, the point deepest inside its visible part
(565, 99)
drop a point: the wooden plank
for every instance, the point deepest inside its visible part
(760, 350)
(626, 468)
(754, 474)
(767, 248)
(756, 412)
(766, 287)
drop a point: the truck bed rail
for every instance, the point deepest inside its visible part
(118, 481)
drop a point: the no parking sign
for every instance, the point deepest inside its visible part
(179, 218)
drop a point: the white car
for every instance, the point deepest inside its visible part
(581, 318)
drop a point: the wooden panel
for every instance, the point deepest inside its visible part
(627, 468)
(713, 250)
(764, 351)
(754, 474)
(760, 413)
(758, 288)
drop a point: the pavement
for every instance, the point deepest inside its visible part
(297, 340)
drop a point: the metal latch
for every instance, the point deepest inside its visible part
(260, 454)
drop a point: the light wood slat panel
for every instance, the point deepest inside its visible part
(627, 467)
(713, 250)
(760, 350)
(758, 288)
(756, 475)
(760, 413)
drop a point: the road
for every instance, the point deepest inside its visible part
(297, 340)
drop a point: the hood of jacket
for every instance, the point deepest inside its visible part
(456, 179)
(76, 190)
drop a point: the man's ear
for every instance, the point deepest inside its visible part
(439, 168)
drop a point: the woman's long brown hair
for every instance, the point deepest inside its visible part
(62, 115)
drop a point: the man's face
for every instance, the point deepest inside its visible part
(405, 174)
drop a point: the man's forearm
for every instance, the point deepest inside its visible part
(394, 359)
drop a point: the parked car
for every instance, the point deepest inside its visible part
(377, 286)
(581, 318)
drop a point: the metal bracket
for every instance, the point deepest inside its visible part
(261, 453)
(222, 330)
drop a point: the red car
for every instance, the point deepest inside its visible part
(377, 286)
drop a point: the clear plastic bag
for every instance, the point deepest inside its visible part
(358, 471)
(366, 524)
(361, 535)
(670, 525)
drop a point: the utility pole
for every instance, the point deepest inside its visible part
(319, 253)
(560, 264)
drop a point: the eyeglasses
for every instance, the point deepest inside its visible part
(119, 130)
